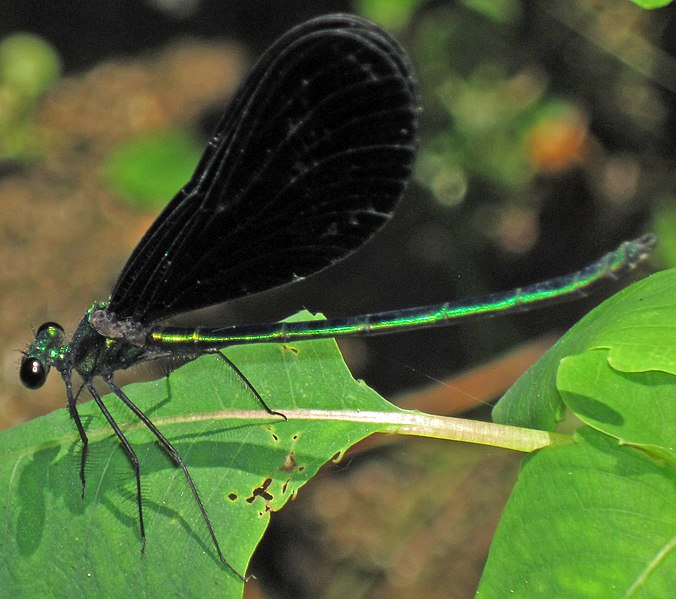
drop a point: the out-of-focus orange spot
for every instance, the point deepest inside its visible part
(557, 143)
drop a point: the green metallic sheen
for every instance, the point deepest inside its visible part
(89, 353)
(177, 340)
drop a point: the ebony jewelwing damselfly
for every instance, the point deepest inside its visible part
(307, 163)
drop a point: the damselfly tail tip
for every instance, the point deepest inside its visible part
(641, 247)
(648, 241)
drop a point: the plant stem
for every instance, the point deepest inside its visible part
(412, 423)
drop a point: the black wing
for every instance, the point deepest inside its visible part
(306, 164)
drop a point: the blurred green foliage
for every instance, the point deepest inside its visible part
(392, 15)
(29, 66)
(519, 113)
(664, 226)
(493, 125)
(501, 11)
(148, 171)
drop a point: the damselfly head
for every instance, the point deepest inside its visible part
(36, 363)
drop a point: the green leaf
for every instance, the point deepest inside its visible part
(635, 408)
(637, 327)
(650, 4)
(593, 519)
(245, 463)
(596, 518)
(148, 170)
(248, 463)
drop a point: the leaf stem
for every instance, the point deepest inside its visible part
(410, 423)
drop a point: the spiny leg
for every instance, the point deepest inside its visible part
(72, 410)
(133, 458)
(247, 382)
(178, 460)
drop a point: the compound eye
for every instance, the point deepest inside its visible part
(32, 373)
(49, 325)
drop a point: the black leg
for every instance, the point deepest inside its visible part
(178, 460)
(133, 458)
(247, 382)
(72, 410)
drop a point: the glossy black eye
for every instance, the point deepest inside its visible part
(32, 373)
(49, 325)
